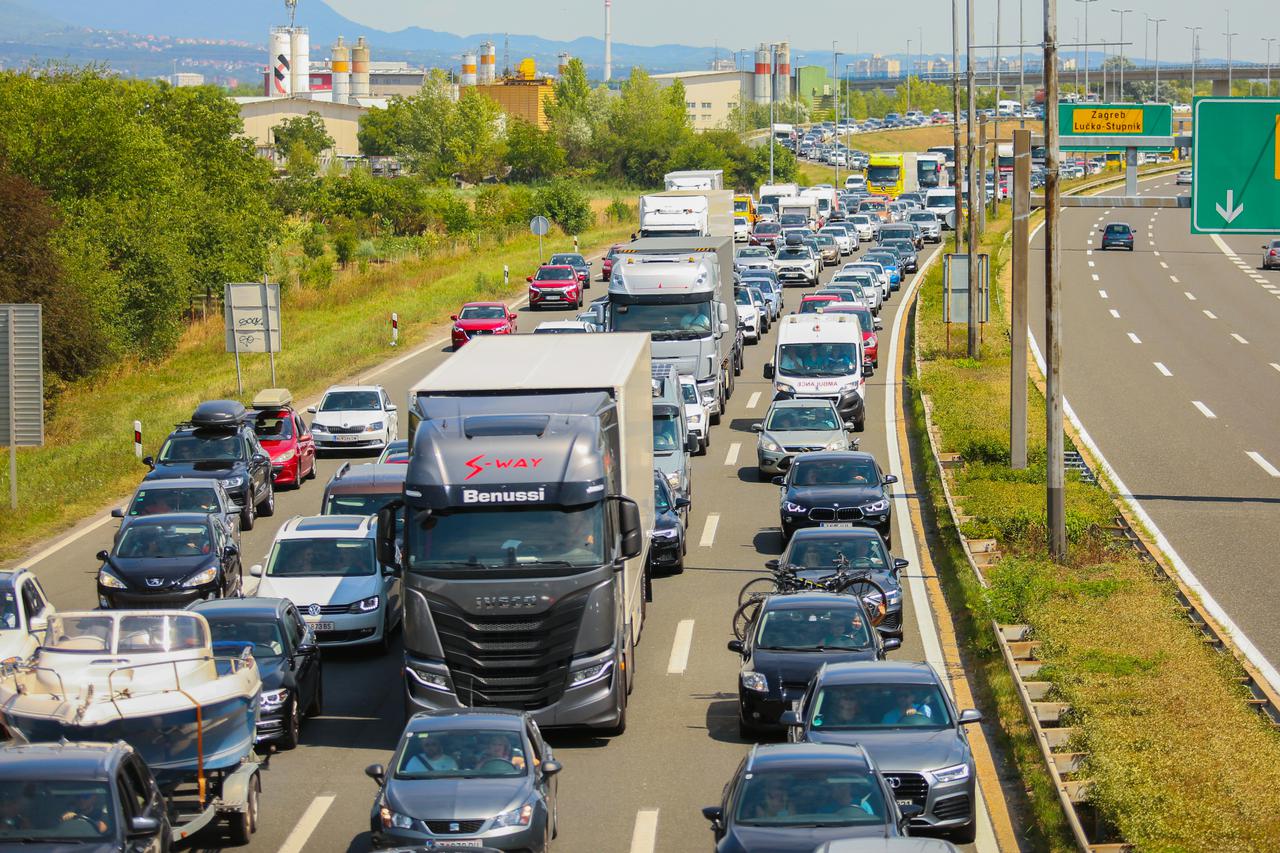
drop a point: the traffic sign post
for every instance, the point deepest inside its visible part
(395, 328)
(22, 386)
(1235, 186)
(539, 225)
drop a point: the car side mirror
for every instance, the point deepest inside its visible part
(757, 427)
(551, 767)
(511, 316)
(867, 369)
(453, 317)
(768, 367)
(141, 826)
(37, 624)
(117, 512)
(970, 715)
(681, 503)
(778, 481)
(528, 278)
(790, 719)
(102, 555)
(149, 461)
(632, 529)
(736, 646)
(890, 644)
(850, 426)
(899, 564)
(261, 458)
(312, 409)
(255, 571)
(715, 814)
(376, 772)
(878, 325)
(889, 479)
(230, 551)
(386, 541)
(771, 565)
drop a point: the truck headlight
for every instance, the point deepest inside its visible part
(590, 674)
(111, 581)
(954, 773)
(365, 605)
(849, 389)
(202, 577)
(755, 682)
(273, 700)
(430, 680)
(516, 817)
(784, 388)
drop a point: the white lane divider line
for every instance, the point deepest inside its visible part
(297, 840)
(1210, 314)
(1163, 265)
(1091, 263)
(1089, 242)
(1106, 213)
(1163, 370)
(1115, 313)
(1236, 335)
(1134, 338)
(1189, 295)
(1095, 277)
(709, 531)
(1174, 279)
(753, 400)
(1263, 463)
(731, 458)
(1088, 251)
(1157, 254)
(1204, 410)
(644, 837)
(1151, 242)
(1276, 365)
(679, 659)
(1102, 293)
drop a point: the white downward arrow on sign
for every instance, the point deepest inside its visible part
(1229, 213)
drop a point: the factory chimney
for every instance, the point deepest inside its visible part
(562, 64)
(763, 70)
(360, 69)
(488, 64)
(341, 64)
(300, 60)
(468, 77)
(608, 40)
(782, 79)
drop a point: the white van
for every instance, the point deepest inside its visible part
(943, 203)
(855, 182)
(821, 356)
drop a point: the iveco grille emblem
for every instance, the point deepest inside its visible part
(155, 582)
(313, 610)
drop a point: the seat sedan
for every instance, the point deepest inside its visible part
(1271, 254)
(749, 319)
(285, 436)
(168, 561)
(469, 777)
(798, 426)
(355, 417)
(906, 253)
(1117, 235)
(889, 261)
(667, 545)
(818, 551)
(902, 714)
(770, 288)
(835, 489)
(792, 637)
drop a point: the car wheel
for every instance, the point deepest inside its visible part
(267, 508)
(383, 646)
(746, 731)
(965, 834)
(292, 725)
(247, 517)
(317, 704)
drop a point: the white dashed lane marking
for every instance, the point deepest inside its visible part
(709, 531)
(1189, 295)
(1204, 410)
(1263, 463)
(1115, 313)
(679, 659)
(1134, 338)
(731, 458)
(1164, 370)
(1210, 314)
(1238, 338)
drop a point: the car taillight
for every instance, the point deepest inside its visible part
(1273, 253)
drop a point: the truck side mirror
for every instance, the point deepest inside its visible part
(722, 313)
(387, 534)
(632, 530)
(768, 367)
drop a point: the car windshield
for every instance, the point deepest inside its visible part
(509, 537)
(163, 540)
(274, 426)
(768, 228)
(351, 503)
(825, 797)
(351, 401)
(555, 274)
(152, 501)
(232, 635)
(790, 253)
(8, 608)
(869, 204)
(666, 434)
(835, 472)
(203, 446)
(903, 245)
(664, 320)
(322, 558)
(742, 297)
(689, 392)
(825, 240)
(764, 285)
(56, 812)
(922, 216)
(461, 754)
(814, 306)
(740, 220)
(830, 552)
(568, 260)
(787, 418)
(879, 706)
(483, 312)
(754, 252)
(818, 359)
(798, 629)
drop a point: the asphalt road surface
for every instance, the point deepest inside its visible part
(642, 791)
(1171, 362)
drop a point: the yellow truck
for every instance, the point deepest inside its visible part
(745, 205)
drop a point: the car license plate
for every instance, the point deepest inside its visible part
(348, 437)
(466, 842)
(906, 802)
(321, 626)
(835, 524)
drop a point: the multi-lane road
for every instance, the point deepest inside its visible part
(1171, 363)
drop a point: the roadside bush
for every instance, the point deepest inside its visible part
(618, 210)
(566, 205)
(345, 245)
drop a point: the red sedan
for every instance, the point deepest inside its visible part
(815, 302)
(285, 437)
(765, 234)
(606, 266)
(555, 285)
(482, 318)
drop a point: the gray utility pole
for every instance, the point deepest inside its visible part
(1158, 22)
(1230, 35)
(1086, 4)
(1195, 39)
(975, 187)
(1077, 83)
(1022, 69)
(1055, 502)
(995, 57)
(835, 69)
(773, 64)
(958, 224)
(1121, 13)
(1018, 329)
(908, 75)
(1268, 41)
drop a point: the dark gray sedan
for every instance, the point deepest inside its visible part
(469, 777)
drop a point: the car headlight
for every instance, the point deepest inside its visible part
(273, 700)
(395, 820)
(235, 481)
(769, 445)
(110, 581)
(788, 506)
(784, 388)
(837, 444)
(666, 533)
(315, 427)
(849, 389)
(893, 596)
(876, 507)
(695, 419)
(516, 817)
(755, 682)
(366, 605)
(287, 456)
(954, 773)
(373, 427)
(673, 479)
(202, 577)
(587, 675)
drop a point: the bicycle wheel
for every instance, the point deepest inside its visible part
(872, 595)
(756, 588)
(745, 616)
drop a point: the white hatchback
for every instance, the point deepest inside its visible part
(696, 413)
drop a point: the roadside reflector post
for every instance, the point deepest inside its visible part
(395, 328)
(137, 439)
(575, 242)
(506, 274)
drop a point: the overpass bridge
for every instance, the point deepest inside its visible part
(1218, 74)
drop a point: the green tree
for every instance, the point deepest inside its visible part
(299, 160)
(645, 125)
(477, 144)
(307, 130)
(576, 116)
(532, 154)
(564, 203)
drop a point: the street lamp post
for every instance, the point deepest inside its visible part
(1230, 35)
(1194, 56)
(1086, 4)
(1121, 13)
(1158, 22)
(835, 69)
(773, 63)
(995, 57)
(908, 75)
(1022, 69)
(1268, 41)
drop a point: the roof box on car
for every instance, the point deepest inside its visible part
(218, 413)
(273, 398)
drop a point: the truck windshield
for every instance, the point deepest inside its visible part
(823, 360)
(509, 537)
(883, 174)
(672, 319)
(666, 434)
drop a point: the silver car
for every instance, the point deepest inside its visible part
(798, 426)
(930, 224)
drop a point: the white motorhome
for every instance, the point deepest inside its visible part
(695, 179)
(822, 356)
(774, 194)
(827, 200)
(687, 213)
(805, 205)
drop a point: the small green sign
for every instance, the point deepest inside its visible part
(1078, 122)
(1235, 187)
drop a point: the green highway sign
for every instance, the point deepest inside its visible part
(1235, 187)
(1080, 125)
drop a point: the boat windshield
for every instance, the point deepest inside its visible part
(138, 633)
(461, 753)
(57, 811)
(8, 608)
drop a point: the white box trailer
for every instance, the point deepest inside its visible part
(687, 213)
(695, 179)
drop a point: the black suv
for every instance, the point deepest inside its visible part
(219, 443)
(838, 488)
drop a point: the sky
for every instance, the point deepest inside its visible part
(860, 25)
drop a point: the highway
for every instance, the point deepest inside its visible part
(640, 792)
(1172, 364)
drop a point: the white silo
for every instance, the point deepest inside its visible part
(782, 75)
(488, 64)
(360, 69)
(562, 64)
(762, 74)
(279, 64)
(468, 77)
(300, 56)
(341, 64)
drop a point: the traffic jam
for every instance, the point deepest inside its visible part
(503, 529)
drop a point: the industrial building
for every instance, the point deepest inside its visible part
(341, 121)
(711, 95)
(815, 87)
(523, 94)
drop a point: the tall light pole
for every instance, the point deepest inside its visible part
(1194, 56)
(1055, 475)
(995, 56)
(1230, 36)
(835, 69)
(958, 177)
(1268, 41)
(1121, 13)
(773, 64)
(1086, 4)
(1022, 69)
(908, 75)
(1158, 22)
(975, 189)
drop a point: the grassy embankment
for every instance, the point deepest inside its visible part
(328, 333)
(1177, 759)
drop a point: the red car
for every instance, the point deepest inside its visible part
(555, 285)
(285, 437)
(870, 341)
(606, 265)
(811, 303)
(765, 234)
(482, 318)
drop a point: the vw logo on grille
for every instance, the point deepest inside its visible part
(453, 827)
(314, 610)
(155, 582)
(894, 782)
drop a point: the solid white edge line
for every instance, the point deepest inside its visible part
(644, 837)
(709, 530)
(731, 458)
(1204, 410)
(1276, 365)
(906, 541)
(679, 660)
(1263, 463)
(1265, 668)
(59, 544)
(297, 840)
(1160, 367)
(753, 400)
